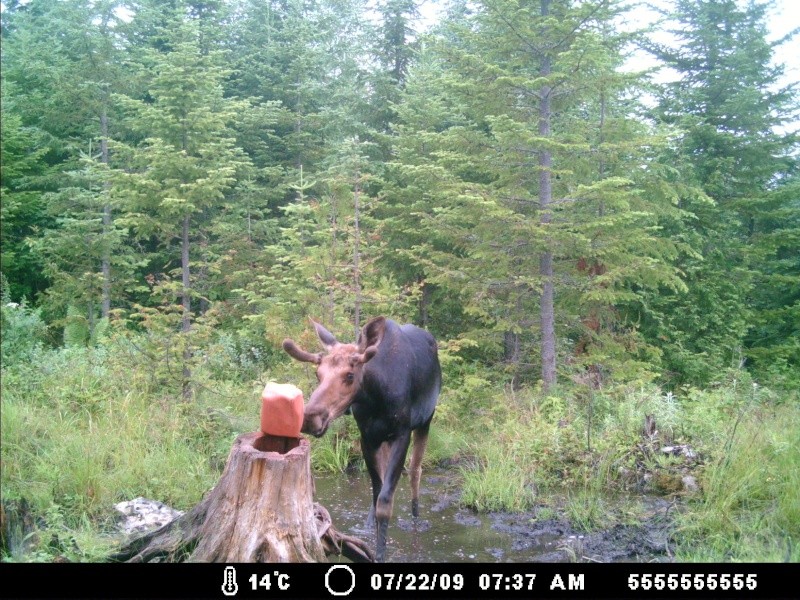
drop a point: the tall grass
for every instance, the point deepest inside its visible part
(588, 506)
(81, 431)
(496, 483)
(337, 449)
(84, 428)
(749, 467)
(750, 508)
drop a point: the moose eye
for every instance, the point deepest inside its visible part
(348, 378)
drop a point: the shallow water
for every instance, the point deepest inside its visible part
(444, 532)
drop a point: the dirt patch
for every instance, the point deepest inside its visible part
(555, 540)
(446, 531)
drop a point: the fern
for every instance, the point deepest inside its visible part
(100, 333)
(76, 328)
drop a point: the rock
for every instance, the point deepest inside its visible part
(680, 450)
(690, 484)
(141, 515)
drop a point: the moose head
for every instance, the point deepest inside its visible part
(339, 372)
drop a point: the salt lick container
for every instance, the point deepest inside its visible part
(281, 410)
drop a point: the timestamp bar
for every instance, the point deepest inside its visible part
(392, 580)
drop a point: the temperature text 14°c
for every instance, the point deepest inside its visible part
(275, 580)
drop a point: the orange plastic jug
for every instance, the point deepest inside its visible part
(281, 410)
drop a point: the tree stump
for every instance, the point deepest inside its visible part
(261, 510)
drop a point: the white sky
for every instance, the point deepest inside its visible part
(783, 17)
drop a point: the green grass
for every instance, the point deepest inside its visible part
(85, 428)
(750, 508)
(496, 483)
(337, 449)
(82, 431)
(588, 507)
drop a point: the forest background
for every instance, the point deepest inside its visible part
(185, 183)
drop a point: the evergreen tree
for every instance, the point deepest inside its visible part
(68, 88)
(727, 107)
(773, 339)
(394, 50)
(538, 150)
(176, 179)
(84, 247)
(23, 150)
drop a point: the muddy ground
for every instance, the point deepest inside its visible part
(647, 541)
(449, 532)
(553, 539)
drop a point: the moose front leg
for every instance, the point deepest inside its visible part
(375, 458)
(397, 450)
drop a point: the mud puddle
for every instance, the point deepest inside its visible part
(447, 532)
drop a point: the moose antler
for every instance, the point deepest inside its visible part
(298, 353)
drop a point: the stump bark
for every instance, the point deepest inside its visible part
(261, 510)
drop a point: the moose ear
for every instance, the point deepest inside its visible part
(326, 337)
(372, 332)
(370, 338)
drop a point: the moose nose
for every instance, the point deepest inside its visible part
(315, 423)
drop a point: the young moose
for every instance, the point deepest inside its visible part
(390, 378)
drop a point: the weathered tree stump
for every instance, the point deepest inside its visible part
(261, 510)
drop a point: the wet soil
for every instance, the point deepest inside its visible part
(448, 532)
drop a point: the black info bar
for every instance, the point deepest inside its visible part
(407, 580)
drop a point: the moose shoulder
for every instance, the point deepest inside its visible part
(390, 378)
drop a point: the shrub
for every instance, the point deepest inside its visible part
(23, 332)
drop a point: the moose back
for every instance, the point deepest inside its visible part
(390, 378)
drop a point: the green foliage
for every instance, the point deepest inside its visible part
(496, 484)
(258, 125)
(587, 509)
(750, 508)
(468, 138)
(84, 428)
(729, 109)
(22, 210)
(23, 330)
(337, 450)
(215, 173)
(773, 340)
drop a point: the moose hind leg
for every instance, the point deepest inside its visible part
(420, 443)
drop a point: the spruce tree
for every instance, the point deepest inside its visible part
(727, 107)
(537, 165)
(177, 178)
(67, 88)
(23, 212)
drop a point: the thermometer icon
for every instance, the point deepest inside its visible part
(229, 585)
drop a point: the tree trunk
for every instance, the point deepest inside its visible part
(261, 510)
(357, 254)
(106, 302)
(424, 301)
(546, 258)
(186, 320)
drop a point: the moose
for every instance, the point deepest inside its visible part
(390, 380)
